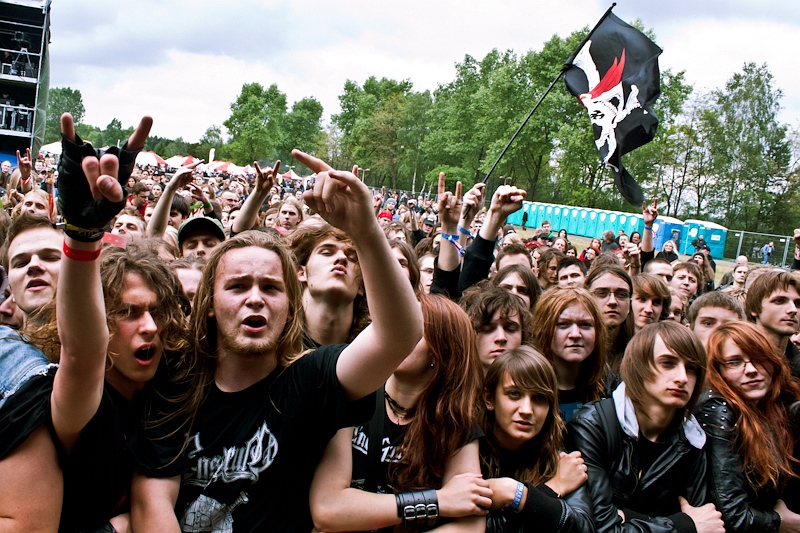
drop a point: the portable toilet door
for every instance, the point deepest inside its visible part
(574, 220)
(591, 224)
(583, 218)
(692, 229)
(602, 224)
(716, 237)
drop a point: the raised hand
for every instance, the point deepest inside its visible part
(24, 164)
(650, 212)
(90, 185)
(183, 176)
(338, 196)
(507, 199)
(449, 205)
(265, 179)
(472, 203)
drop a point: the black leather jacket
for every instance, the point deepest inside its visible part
(649, 498)
(742, 508)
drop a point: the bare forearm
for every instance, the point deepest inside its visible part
(158, 222)
(248, 214)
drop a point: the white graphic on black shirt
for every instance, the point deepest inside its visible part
(206, 515)
(244, 462)
(389, 453)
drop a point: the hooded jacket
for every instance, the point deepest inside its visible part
(607, 435)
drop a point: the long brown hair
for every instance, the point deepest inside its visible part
(203, 328)
(591, 379)
(446, 409)
(533, 373)
(638, 365)
(763, 431)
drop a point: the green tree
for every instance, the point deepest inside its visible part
(302, 130)
(256, 123)
(212, 138)
(115, 134)
(62, 100)
(750, 151)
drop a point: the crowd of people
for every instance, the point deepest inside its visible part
(186, 353)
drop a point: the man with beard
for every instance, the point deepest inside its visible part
(268, 409)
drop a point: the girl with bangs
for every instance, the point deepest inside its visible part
(572, 336)
(520, 455)
(416, 462)
(751, 433)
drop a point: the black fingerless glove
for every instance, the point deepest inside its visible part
(85, 217)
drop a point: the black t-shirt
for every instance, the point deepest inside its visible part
(393, 436)
(25, 411)
(252, 454)
(98, 471)
(569, 401)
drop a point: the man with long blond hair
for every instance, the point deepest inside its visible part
(264, 410)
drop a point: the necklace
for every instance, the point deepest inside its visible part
(399, 411)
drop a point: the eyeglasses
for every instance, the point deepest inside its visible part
(740, 364)
(620, 294)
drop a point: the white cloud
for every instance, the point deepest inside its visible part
(185, 61)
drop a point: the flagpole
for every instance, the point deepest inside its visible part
(560, 74)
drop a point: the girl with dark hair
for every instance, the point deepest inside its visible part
(745, 413)
(707, 283)
(419, 448)
(571, 335)
(521, 454)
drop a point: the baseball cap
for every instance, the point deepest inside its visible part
(385, 214)
(431, 221)
(200, 224)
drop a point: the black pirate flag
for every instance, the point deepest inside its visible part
(615, 76)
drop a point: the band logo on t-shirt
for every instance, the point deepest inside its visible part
(389, 452)
(236, 463)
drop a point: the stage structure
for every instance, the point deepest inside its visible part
(24, 73)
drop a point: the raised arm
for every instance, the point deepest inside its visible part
(90, 195)
(248, 214)
(449, 213)
(179, 180)
(153, 502)
(344, 201)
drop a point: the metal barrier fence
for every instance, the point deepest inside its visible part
(752, 244)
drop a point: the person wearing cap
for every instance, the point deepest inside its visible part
(384, 217)
(199, 235)
(428, 225)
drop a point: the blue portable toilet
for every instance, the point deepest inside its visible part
(555, 220)
(591, 224)
(583, 218)
(633, 222)
(603, 223)
(715, 236)
(665, 229)
(515, 218)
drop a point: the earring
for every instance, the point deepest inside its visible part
(432, 365)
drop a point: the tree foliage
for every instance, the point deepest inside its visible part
(721, 155)
(62, 100)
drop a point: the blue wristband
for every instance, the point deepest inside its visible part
(517, 496)
(648, 228)
(465, 231)
(454, 239)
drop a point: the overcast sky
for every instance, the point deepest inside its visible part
(185, 61)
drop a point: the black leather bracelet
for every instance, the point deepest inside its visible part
(431, 507)
(419, 510)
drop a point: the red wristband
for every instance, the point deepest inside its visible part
(81, 255)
